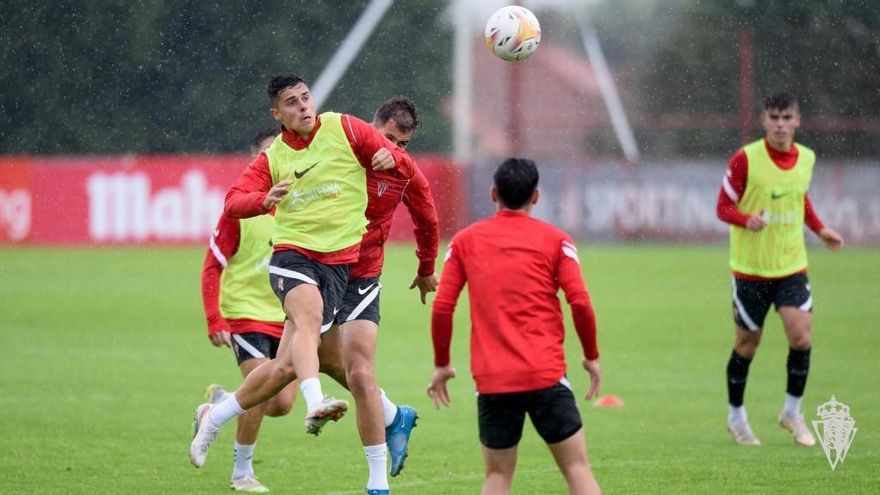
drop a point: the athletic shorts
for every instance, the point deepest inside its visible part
(254, 345)
(361, 301)
(752, 298)
(552, 410)
(288, 269)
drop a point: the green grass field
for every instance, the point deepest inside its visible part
(106, 356)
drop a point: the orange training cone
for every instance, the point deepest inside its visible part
(608, 401)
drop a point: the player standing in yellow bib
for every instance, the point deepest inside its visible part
(764, 199)
(314, 175)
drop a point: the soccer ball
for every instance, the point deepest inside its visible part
(513, 33)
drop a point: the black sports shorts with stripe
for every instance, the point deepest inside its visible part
(254, 345)
(361, 301)
(752, 298)
(289, 269)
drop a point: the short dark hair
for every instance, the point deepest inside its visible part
(780, 101)
(281, 82)
(515, 181)
(262, 136)
(401, 109)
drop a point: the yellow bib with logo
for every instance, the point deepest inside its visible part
(778, 249)
(245, 292)
(324, 210)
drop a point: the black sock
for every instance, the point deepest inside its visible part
(737, 373)
(798, 367)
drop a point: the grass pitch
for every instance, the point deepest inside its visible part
(107, 356)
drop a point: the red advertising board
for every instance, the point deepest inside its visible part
(16, 198)
(167, 199)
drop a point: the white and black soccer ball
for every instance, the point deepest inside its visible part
(513, 33)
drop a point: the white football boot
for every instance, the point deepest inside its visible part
(329, 408)
(742, 432)
(798, 428)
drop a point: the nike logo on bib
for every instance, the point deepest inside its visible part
(364, 290)
(299, 173)
(776, 195)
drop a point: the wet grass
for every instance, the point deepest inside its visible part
(106, 356)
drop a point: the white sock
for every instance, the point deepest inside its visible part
(389, 409)
(311, 391)
(244, 456)
(792, 405)
(377, 461)
(225, 410)
(736, 413)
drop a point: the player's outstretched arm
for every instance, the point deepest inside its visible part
(437, 389)
(831, 238)
(592, 367)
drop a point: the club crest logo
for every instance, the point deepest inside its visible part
(381, 188)
(836, 430)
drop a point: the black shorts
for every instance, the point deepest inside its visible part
(552, 410)
(752, 298)
(361, 301)
(288, 269)
(253, 345)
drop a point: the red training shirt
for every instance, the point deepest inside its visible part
(733, 186)
(385, 191)
(223, 246)
(245, 197)
(514, 266)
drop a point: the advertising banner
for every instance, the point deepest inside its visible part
(165, 199)
(675, 202)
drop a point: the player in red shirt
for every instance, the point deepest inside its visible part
(358, 316)
(514, 265)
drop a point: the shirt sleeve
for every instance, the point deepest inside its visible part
(420, 203)
(366, 140)
(223, 245)
(732, 188)
(451, 284)
(245, 198)
(811, 218)
(572, 283)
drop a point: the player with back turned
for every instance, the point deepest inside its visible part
(514, 266)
